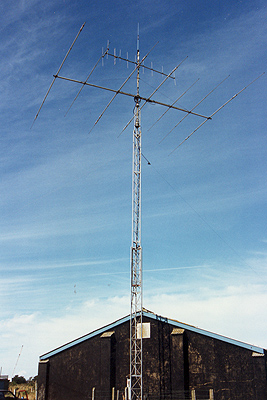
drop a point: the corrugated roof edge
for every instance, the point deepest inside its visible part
(150, 314)
(83, 338)
(206, 333)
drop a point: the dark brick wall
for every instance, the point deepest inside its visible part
(100, 362)
(173, 360)
(43, 380)
(230, 370)
(4, 383)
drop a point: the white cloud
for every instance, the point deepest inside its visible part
(238, 311)
(60, 264)
(235, 311)
(39, 334)
(64, 196)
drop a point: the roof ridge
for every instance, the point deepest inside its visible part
(155, 316)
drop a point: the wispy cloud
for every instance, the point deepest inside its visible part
(223, 312)
(65, 264)
(222, 45)
(66, 196)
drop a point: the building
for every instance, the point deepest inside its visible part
(179, 362)
(4, 382)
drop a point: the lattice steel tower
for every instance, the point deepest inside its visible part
(136, 254)
(136, 334)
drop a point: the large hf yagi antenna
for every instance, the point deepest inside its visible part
(134, 383)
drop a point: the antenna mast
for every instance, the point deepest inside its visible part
(136, 253)
(136, 333)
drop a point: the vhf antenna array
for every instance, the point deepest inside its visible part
(135, 385)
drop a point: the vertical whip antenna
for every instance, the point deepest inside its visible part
(137, 37)
(137, 65)
(149, 98)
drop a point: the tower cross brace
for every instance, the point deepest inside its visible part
(136, 334)
(136, 256)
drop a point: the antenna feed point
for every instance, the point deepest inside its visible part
(137, 100)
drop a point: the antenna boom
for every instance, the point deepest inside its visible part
(142, 65)
(136, 325)
(148, 100)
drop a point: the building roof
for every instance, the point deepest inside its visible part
(149, 314)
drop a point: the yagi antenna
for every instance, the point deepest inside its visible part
(194, 107)
(136, 385)
(61, 65)
(173, 104)
(149, 98)
(215, 112)
(92, 70)
(143, 65)
(119, 90)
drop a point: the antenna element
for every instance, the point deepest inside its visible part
(136, 328)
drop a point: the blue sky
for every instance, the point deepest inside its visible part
(65, 200)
